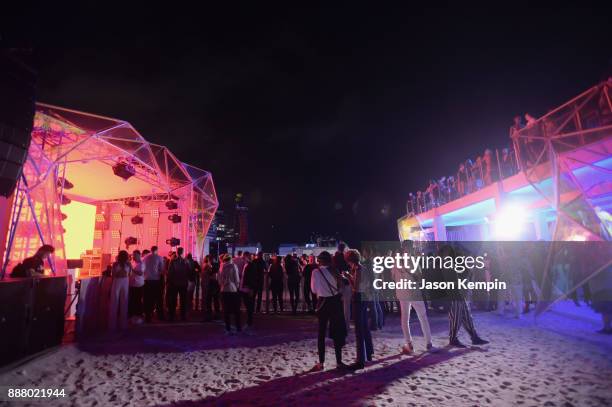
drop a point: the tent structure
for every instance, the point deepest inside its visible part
(106, 164)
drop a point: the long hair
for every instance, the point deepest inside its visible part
(123, 257)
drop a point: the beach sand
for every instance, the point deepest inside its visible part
(557, 361)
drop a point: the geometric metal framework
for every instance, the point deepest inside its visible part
(572, 145)
(82, 149)
(576, 134)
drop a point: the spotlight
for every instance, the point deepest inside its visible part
(173, 241)
(63, 215)
(137, 220)
(578, 238)
(124, 170)
(132, 204)
(65, 183)
(175, 218)
(130, 241)
(65, 200)
(171, 205)
(509, 222)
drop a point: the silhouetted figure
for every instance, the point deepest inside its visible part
(178, 280)
(33, 266)
(275, 276)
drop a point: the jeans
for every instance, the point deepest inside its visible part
(210, 299)
(277, 297)
(135, 301)
(346, 302)
(258, 297)
(294, 294)
(249, 305)
(171, 294)
(153, 299)
(309, 297)
(363, 337)
(231, 306)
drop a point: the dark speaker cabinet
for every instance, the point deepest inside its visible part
(31, 316)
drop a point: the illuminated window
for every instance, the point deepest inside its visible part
(100, 217)
(153, 231)
(97, 234)
(155, 213)
(115, 234)
(116, 217)
(114, 251)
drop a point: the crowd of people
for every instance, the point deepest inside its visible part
(336, 288)
(472, 175)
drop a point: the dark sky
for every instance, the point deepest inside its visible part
(325, 119)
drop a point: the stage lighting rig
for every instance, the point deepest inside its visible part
(130, 241)
(173, 241)
(65, 183)
(137, 220)
(171, 205)
(124, 170)
(174, 218)
(132, 204)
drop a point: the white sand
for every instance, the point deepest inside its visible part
(196, 364)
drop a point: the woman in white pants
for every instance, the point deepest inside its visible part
(118, 309)
(411, 299)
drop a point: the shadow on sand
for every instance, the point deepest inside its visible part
(329, 387)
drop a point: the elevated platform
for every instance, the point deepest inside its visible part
(479, 207)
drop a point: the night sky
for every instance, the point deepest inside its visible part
(325, 119)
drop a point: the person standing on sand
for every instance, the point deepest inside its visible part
(309, 296)
(459, 312)
(153, 289)
(411, 299)
(229, 280)
(178, 280)
(260, 272)
(340, 265)
(293, 281)
(118, 311)
(360, 281)
(324, 283)
(275, 277)
(248, 287)
(210, 290)
(136, 288)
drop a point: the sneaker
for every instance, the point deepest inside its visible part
(456, 343)
(407, 349)
(317, 367)
(479, 341)
(356, 366)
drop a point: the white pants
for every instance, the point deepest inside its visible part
(419, 308)
(513, 294)
(118, 304)
(347, 295)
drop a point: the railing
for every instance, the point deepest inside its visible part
(471, 176)
(584, 120)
